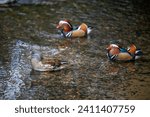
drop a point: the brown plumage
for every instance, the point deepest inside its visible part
(65, 26)
(132, 49)
(114, 52)
(68, 31)
(40, 64)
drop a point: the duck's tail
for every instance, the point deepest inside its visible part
(138, 53)
(89, 29)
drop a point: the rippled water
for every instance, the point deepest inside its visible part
(89, 75)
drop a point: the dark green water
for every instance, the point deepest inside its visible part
(90, 74)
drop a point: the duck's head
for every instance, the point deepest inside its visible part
(64, 25)
(111, 46)
(113, 49)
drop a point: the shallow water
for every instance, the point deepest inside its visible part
(89, 75)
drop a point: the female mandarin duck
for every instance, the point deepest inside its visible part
(46, 65)
(68, 31)
(114, 52)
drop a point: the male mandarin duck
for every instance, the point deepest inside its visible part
(69, 31)
(46, 65)
(114, 52)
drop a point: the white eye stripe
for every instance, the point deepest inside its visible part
(114, 45)
(64, 22)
